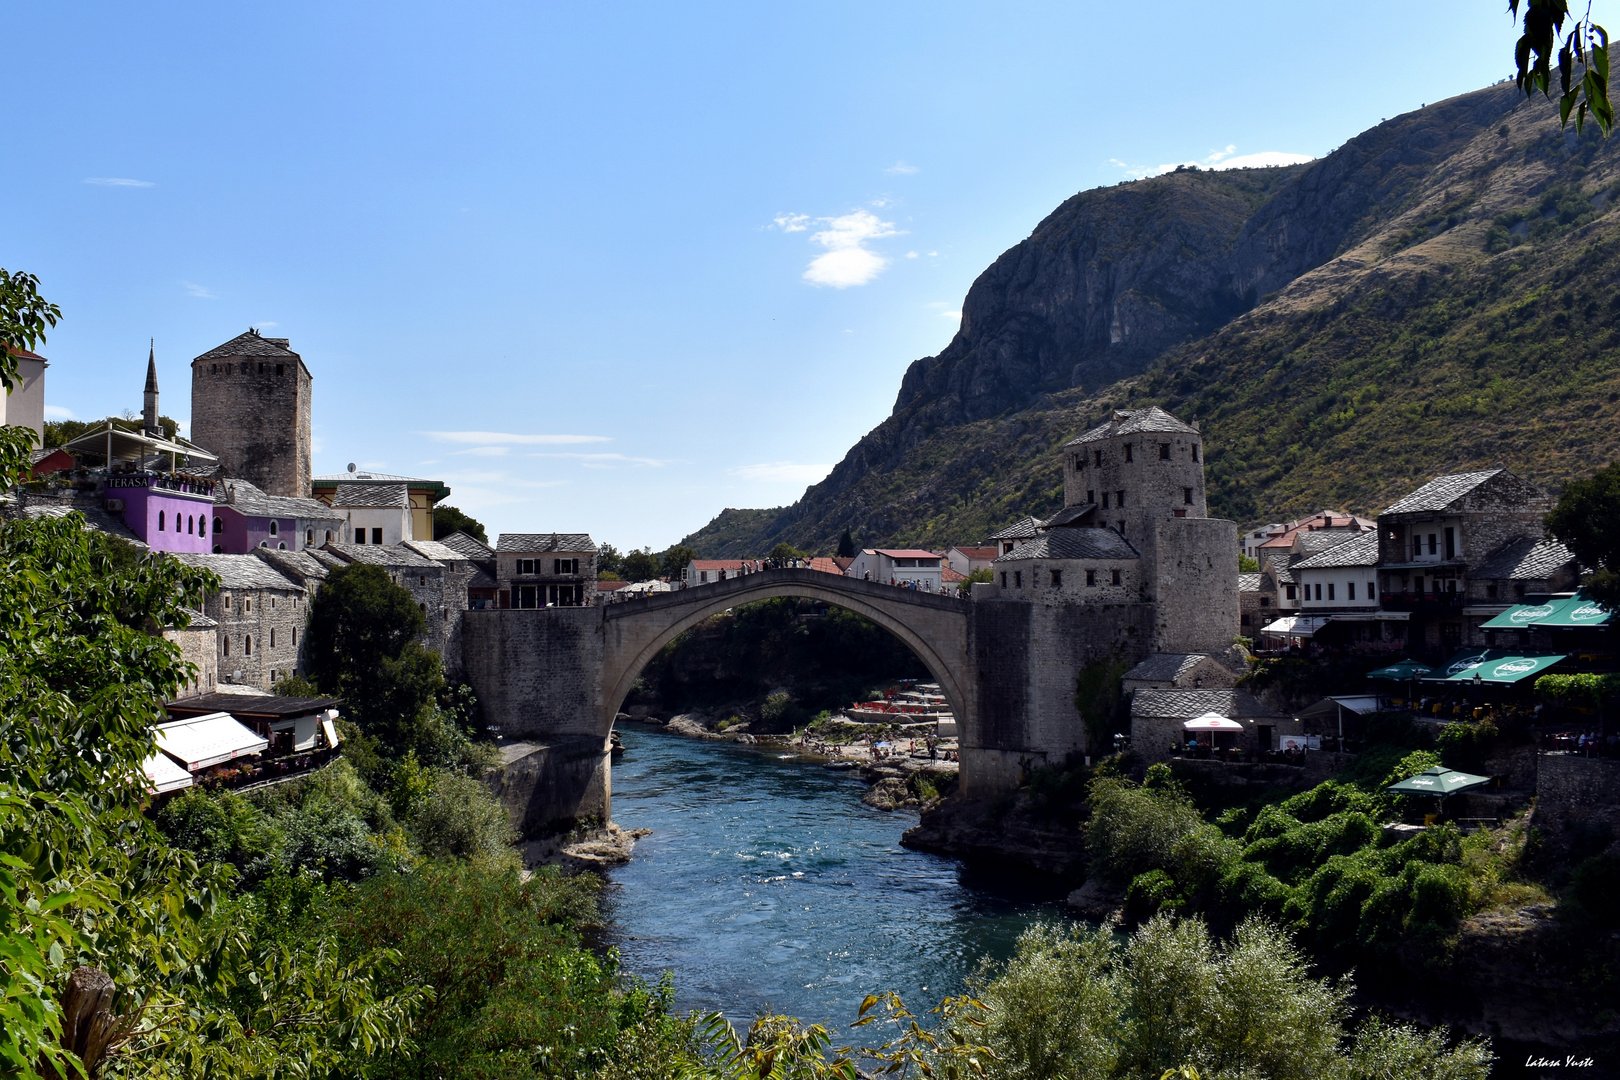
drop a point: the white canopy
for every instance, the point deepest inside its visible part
(1211, 722)
(1296, 625)
(202, 741)
(163, 775)
(116, 444)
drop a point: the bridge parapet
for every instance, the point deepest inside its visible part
(771, 579)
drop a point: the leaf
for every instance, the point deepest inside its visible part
(867, 1003)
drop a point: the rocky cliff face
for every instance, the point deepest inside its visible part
(1155, 284)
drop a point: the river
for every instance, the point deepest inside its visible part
(768, 886)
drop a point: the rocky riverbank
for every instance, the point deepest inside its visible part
(591, 848)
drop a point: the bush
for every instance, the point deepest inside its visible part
(1133, 830)
(457, 817)
(1466, 746)
(1149, 894)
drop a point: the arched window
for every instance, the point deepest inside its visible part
(282, 546)
(216, 526)
(328, 536)
(275, 527)
(160, 521)
(309, 536)
(190, 522)
(264, 543)
(247, 645)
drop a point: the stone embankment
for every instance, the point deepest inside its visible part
(592, 848)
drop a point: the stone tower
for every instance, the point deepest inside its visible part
(149, 399)
(250, 405)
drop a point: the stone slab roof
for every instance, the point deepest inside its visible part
(1361, 549)
(1071, 516)
(1166, 667)
(1187, 704)
(1022, 529)
(1526, 559)
(199, 621)
(545, 542)
(1132, 421)
(240, 571)
(371, 496)
(433, 549)
(468, 546)
(394, 555)
(1440, 493)
(249, 499)
(325, 558)
(94, 518)
(1310, 543)
(368, 476)
(1248, 582)
(303, 565)
(251, 344)
(1073, 544)
(481, 579)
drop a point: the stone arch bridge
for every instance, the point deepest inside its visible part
(552, 680)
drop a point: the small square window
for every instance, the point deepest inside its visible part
(376, 536)
(1096, 458)
(1119, 497)
(1091, 497)
(1164, 451)
(1018, 579)
(1127, 451)
(1186, 496)
(1116, 577)
(1195, 451)
(1091, 578)
(1057, 579)
(1004, 579)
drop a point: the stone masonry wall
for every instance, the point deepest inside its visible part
(537, 673)
(1196, 585)
(200, 648)
(1153, 487)
(266, 615)
(255, 421)
(1577, 803)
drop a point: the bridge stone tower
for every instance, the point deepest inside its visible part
(251, 406)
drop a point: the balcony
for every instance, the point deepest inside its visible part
(178, 483)
(1413, 601)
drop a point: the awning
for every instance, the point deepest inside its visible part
(202, 741)
(162, 774)
(330, 729)
(1211, 722)
(119, 444)
(1493, 666)
(1568, 611)
(1402, 671)
(1371, 616)
(1438, 780)
(1296, 625)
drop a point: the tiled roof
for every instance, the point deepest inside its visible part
(432, 549)
(248, 499)
(240, 571)
(371, 496)
(367, 476)
(1132, 421)
(724, 564)
(390, 555)
(481, 579)
(1280, 573)
(1525, 559)
(979, 552)
(950, 577)
(1248, 583)
(826, 565)
(1073, 544)
(1071, 516)
(611, 586)
(326, 558)
(468, 546)
(1187, 704)
(1310, 543)
(907, 553)
(545, 542)
(1361, 549)
(1440, 493)
(1166, 667)
(250, 344)
(1022, 529)
(303, 565)
(199, 621)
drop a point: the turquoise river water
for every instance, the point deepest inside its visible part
(767, 886)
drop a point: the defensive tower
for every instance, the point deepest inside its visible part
(250, 405)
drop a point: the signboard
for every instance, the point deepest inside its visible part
(1299, 742)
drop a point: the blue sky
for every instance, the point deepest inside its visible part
(611, 268)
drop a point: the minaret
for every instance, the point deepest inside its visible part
(149, 406)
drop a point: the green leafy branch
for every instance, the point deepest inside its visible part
(1584, 42)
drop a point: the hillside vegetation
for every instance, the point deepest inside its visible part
(1437, 294)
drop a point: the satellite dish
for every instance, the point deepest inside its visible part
(351, 466)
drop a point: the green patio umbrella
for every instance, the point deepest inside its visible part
(1401, 671)
(1438, 780)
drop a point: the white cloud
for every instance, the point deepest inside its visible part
(792, 222)
(116, 181)
(782, 472)
(58, 412)
(911, 254)
(489, 438)
(484, 451)
(1216, 160)
(847, 261)
(267, 324)
(604, 461)
(200, 291)
(900, 168)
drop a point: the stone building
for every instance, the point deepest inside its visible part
(537, 570)
(460, 573)
(375, 514)
(1340, 583)
(1158, 716)
(425, 579)
(260, 615)
(1433, 543)
(246, 518)
(1520, 569)
(483, 591)
(199, 647)
(251, 407)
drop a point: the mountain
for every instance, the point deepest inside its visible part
(1439, 293)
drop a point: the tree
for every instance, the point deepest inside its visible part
(983, 575)
(786, 552)
(1584, 42)
(447, 519)
(1587, 520)
(846, 546)
(673, 562)
(1248, 565)
(361, 627)
(640, 565)
(609, 562)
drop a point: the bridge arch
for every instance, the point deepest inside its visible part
(933, 627)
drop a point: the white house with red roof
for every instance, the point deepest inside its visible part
(706, 571)
(900, 566)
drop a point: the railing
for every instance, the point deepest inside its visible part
(186, 485)
(237, 776)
